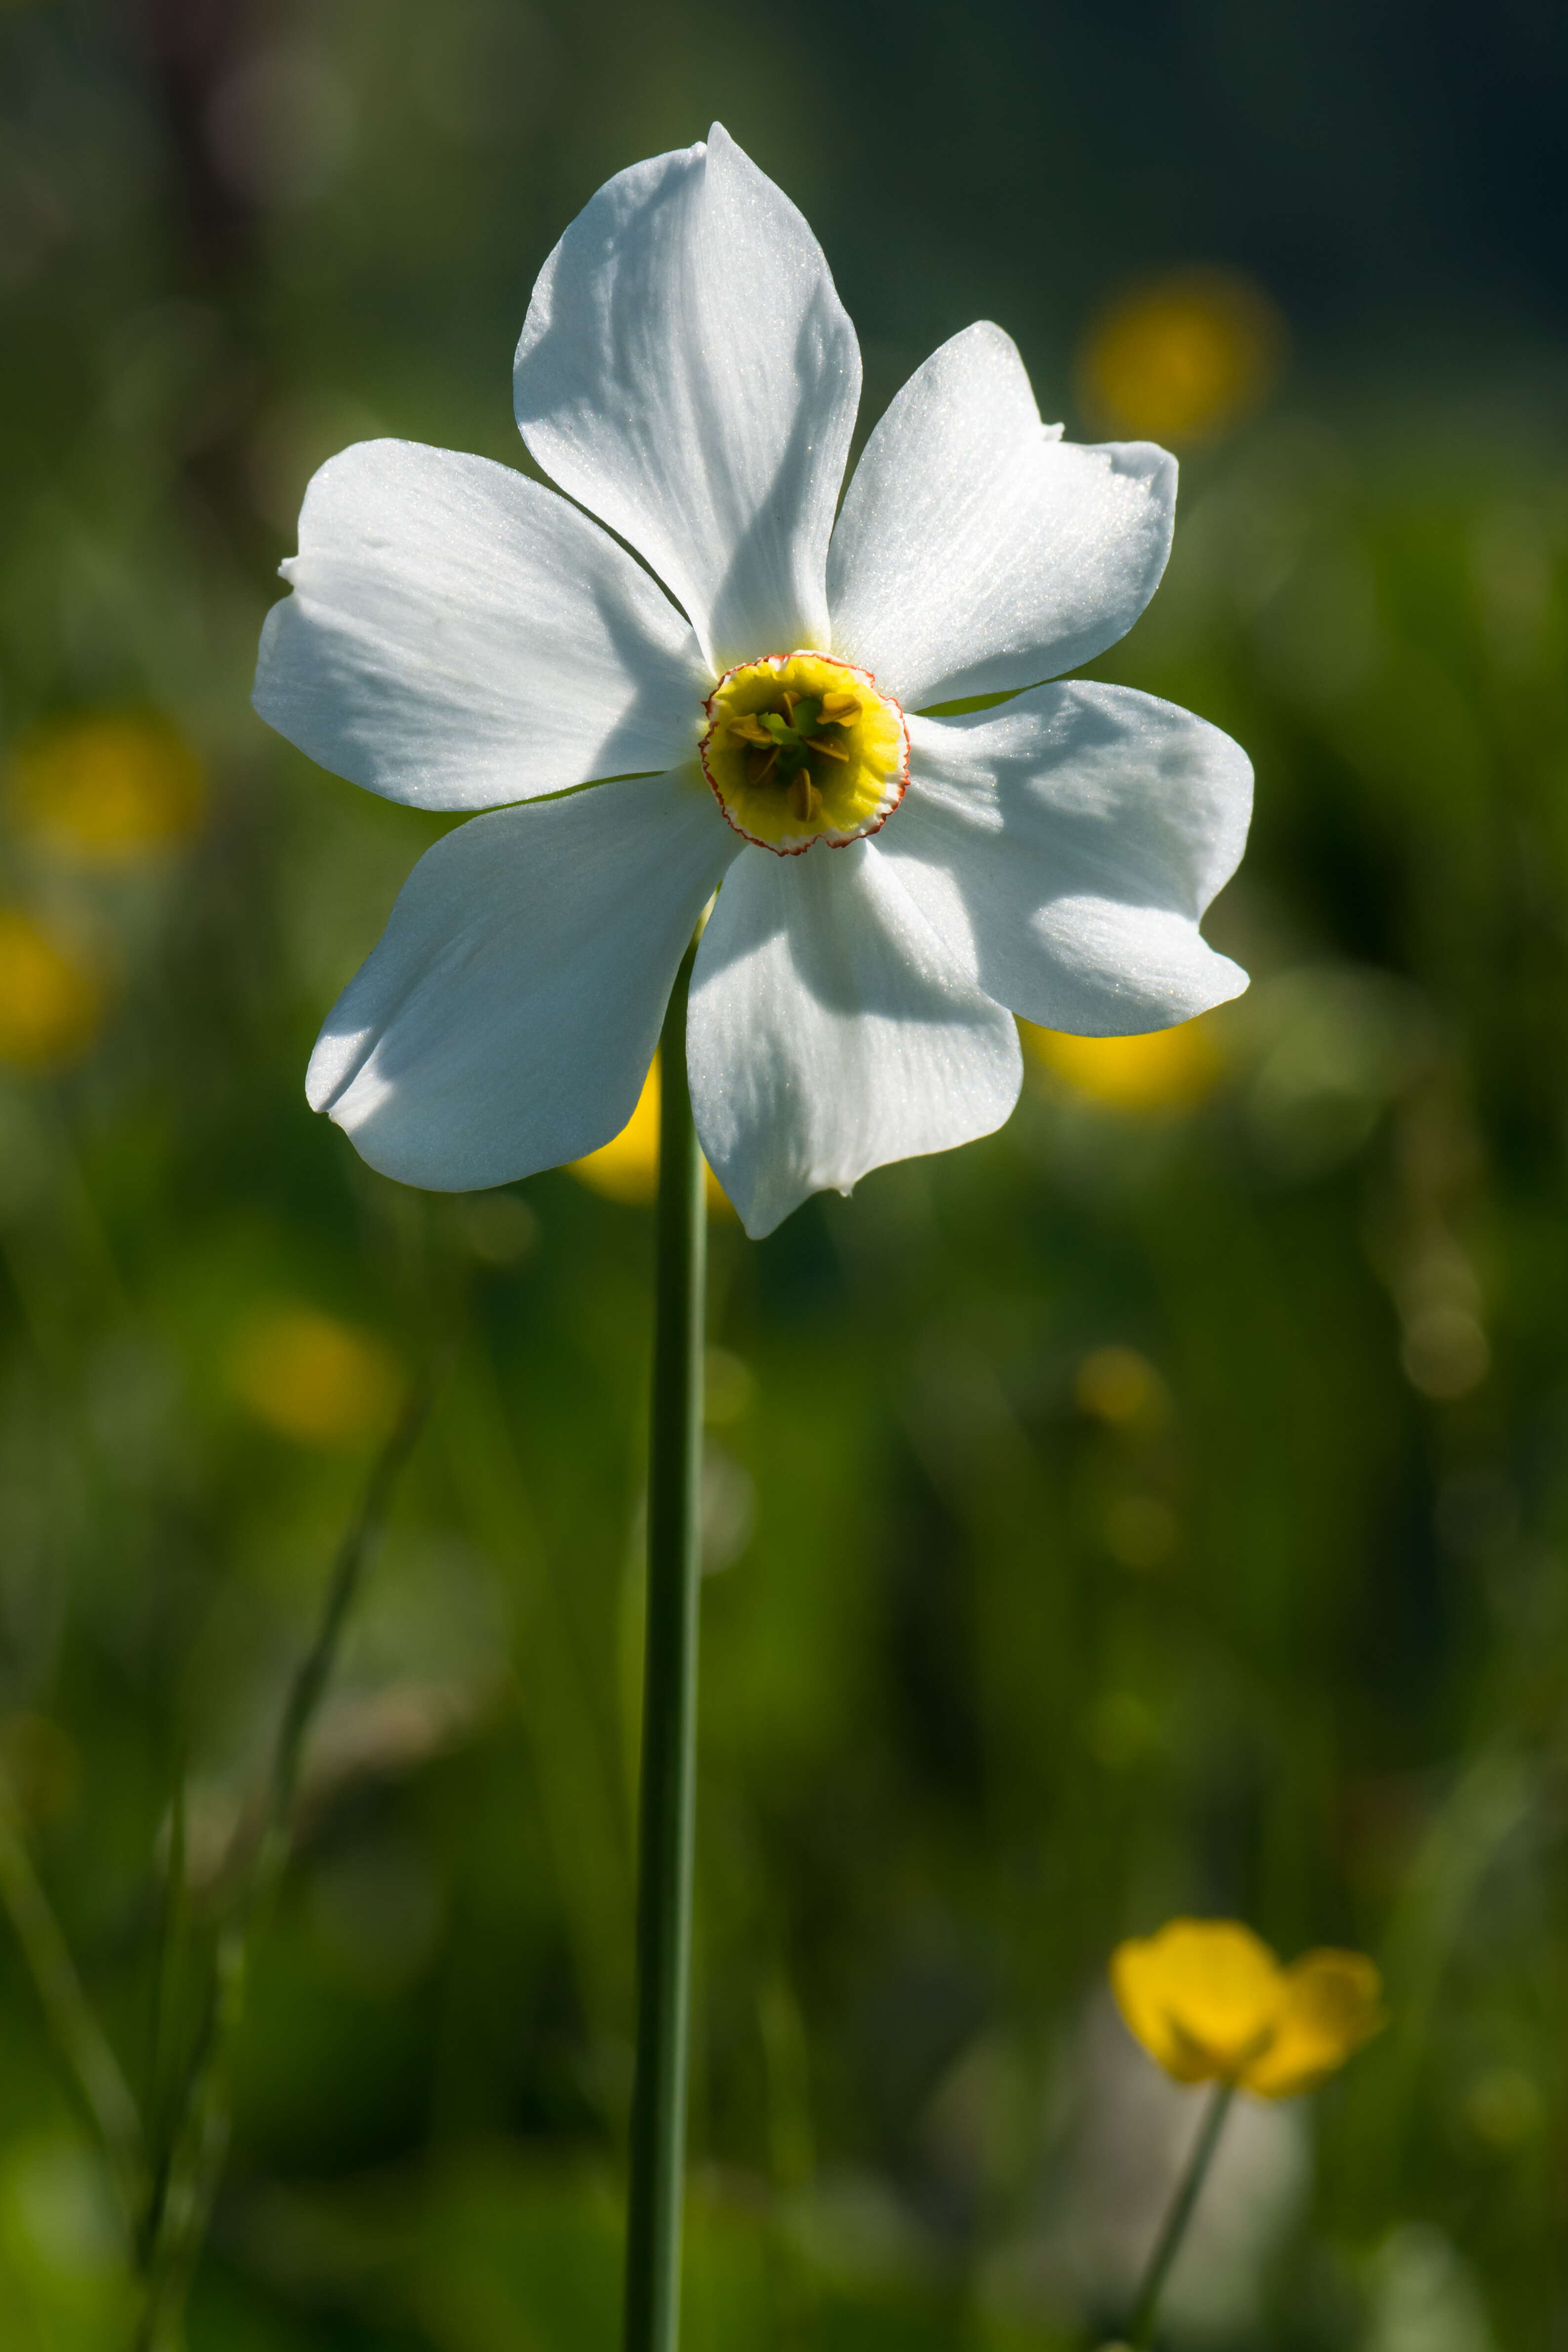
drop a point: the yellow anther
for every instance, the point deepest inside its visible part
(805, 800)
(840, 709)
(751, 730)
(821, 743)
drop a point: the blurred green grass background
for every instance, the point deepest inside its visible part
(1159, 1507)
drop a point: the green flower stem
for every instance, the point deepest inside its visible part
(202, 2136)
(1140, 2327)
(669, 1712)
(77, 2031)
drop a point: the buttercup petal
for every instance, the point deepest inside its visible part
(687, 372)
(1331, 2004)
(830, 1031)
(979, 551)
(507, 1020)
(459, 636)
(1065, 847)
(1201, 1995)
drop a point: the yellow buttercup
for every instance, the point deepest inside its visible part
(1211, 2003)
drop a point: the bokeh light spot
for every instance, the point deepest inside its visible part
(1167, 1070)
(1183, 360)
(52, 1001)
(1445, 1352)
(729, 1386)
(108, 790)
(1503, 2106)
(1118, 1386)
(500, 1228)
(307, 1376)
(1121, 1730)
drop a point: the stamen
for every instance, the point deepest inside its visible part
(805, 800)
(833, 751)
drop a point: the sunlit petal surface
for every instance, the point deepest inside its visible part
(459, 637)
(507, 1020)
(687, 372)
(832, 1031)
(1065, 847)
(979, 551)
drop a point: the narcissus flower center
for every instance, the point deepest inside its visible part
(800, 748)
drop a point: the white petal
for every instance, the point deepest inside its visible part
(507, 1020)
(830, 1032)
(687, 372)
(459, 636)
(977, 550)
(1065, 847)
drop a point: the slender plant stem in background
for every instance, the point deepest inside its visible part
(160, 2104)
(669, 1713)
(200, 2141)
(78, 2032)
(1140, 2327)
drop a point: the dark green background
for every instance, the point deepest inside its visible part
(953, 1745)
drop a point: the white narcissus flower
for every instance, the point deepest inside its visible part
(895, 887)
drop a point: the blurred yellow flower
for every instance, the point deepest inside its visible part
(309, 1376)
(1167, 1069)
(1183, 360)
(1210, 2000)
(1119, 1386)
(107, 789)
(627, 1166)
(51, 1002)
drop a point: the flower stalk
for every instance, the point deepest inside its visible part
(1140, 2327)
(667, 1801)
